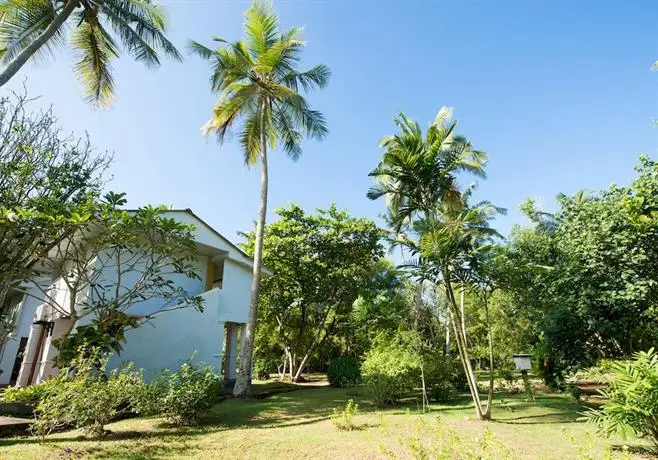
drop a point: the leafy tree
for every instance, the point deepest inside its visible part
(258, 83)
(33, 28)
(112, 265)
(586, 275)
(48, 183)
(322, 263)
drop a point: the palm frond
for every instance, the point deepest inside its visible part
(21, 22)
(261, 27)
(95, 49)
(141, 26)
(250, 139)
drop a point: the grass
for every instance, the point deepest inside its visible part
(298, 424)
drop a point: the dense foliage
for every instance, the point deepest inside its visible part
(631, 404)
(182, 396)
(83, 396)
(343, 371)
(584, 279)
(322, 262)
(48, 182)
(390, 369)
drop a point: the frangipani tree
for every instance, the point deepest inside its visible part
(259, 97)
(94, 30)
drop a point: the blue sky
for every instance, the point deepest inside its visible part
(559, 94)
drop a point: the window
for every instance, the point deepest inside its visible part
(214, 274)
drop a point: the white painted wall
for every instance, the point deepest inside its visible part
(23, 323)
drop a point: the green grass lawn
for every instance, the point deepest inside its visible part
(297, 424)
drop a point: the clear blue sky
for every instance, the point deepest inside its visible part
(559, 94)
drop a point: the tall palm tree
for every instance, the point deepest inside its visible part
(416, 172)
(452, 242)
(33, 28)
(258, 85)
(430, 214)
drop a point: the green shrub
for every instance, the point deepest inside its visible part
(444, 375)
(181, 397)
(390, 370)
(30, 395)
(343, 420)
(343, 371)
(575, 391)
(264, 366)
(631, 404)
(83, 396)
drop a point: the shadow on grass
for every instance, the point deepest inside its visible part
(645, 451)
(141, 445)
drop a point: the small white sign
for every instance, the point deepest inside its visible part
(522, 362)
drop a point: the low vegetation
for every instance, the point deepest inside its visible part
(631, 400)
(299, 423)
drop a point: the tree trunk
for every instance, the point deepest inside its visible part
(4, 325)
(463, 315)
(20, 60)
(300, 368)
(487, 412)
(460, 337)
(242, 386)
(417, 303)
(447, 352)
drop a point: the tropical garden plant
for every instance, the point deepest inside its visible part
(31, 29)
(430, 216)
(631, 401)
(259, 87)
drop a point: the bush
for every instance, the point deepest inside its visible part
(343, 419)
(390, 370)
(83, 396)
(181, 397)
(343, 372)
(632, 399)
(30, 395)
(444, 375)
(264, 366)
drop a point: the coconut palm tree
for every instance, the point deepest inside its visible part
(30, 29)
(259, 96)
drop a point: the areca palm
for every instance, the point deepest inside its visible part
(453, 242)
(30, 29)
(259, 97)
(416, 172)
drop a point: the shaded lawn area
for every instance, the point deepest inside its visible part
(297, 424)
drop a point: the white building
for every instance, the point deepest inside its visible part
(170, 338)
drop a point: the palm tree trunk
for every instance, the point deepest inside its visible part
(487, 412)
(461, 309)
(242, 386)
(462, 347)
(417, 303)
(20, 60)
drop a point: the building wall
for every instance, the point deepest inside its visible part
(176, 336)
(23, 323)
